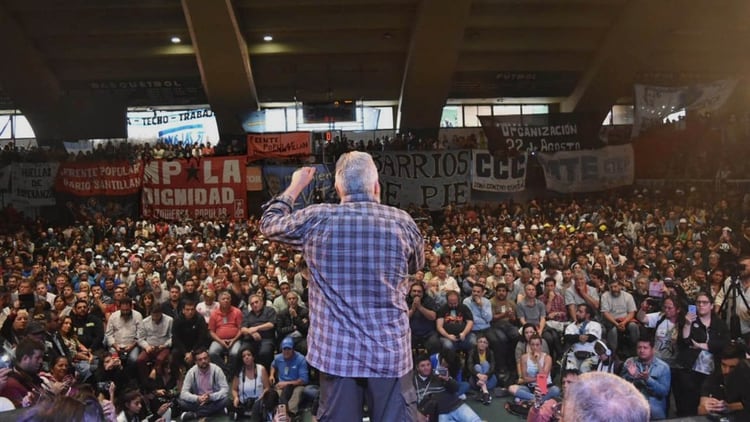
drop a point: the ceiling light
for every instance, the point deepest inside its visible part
(267, 38)
(175, 40)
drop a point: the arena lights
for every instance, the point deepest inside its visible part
(268, 38)
(175, 39)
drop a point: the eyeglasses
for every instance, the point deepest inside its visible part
(702, 302)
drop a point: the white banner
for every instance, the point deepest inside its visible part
(432, 179)
(33, 182)
(589, 170)
(506, 174)
(654, 103)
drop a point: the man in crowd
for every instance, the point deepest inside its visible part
(722, 392)
(454, 324)
(155, 340)
(189, 332)
(294, 322)
(618, 311)
(24, 385)
(580, 293)
(581, 337)
(504, 323)
(364, 346)
(89, 328)
(204, 390)
(289, 375)
(225, 326)
(436, 395)
(651, 376)
(422, 318)
(122, 331)
(258, 330)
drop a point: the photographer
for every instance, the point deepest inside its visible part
(702, 336)
(436, 395)
(24, 385)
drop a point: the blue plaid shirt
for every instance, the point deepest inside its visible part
(360, 254)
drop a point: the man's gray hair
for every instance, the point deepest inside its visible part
(356, 173)
(604, 397)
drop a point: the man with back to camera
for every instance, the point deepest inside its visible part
(359, 323)
(603, 397)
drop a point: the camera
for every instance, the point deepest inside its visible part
(443, 372)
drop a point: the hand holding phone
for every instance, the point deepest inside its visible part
(692, 309)
(541, 382)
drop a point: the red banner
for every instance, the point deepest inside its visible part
(195, 188)
(107, 178)
(278, 145)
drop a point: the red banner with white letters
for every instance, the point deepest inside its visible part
(210, 187)
(105, 178)
(278, 145)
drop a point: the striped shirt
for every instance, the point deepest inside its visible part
(360, 254)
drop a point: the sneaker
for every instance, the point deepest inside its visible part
(486, 399)
(462, 397)
(188, 416)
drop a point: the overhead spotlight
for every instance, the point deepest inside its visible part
(175, 40)
(267, 38)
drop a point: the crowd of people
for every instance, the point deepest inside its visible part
(212, 317)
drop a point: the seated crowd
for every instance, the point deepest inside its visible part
(206, 317)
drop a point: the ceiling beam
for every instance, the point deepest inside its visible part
(435, 46)
(621, 54)
(631, 46)
(223, 61)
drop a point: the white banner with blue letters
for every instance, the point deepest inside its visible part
(588, 170)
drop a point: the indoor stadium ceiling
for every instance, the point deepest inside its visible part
(69, 62)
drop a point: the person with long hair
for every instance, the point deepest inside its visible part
(534, 363)
(130, 409)
(527, 331)
(702, 337)
(145, 304)
(81, 357)
(248, 386)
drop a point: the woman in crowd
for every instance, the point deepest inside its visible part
(248, 386)
(534, 363)
(527, 331)
(702, 336)
(15, 328)
(62, 307)
(146, 303)
(59, 380)
(130, 409)
(480, 365)
(81, 357)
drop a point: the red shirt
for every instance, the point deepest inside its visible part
(226, 326)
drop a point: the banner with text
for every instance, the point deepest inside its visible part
(509, 135)
(105, 178)
(32, 184)
(432, 179)
(654, 103)
(278, 145)
(212, 187)
(277, 179)
(498, 174)
(588, 171)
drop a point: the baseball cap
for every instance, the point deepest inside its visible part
(287, 343)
